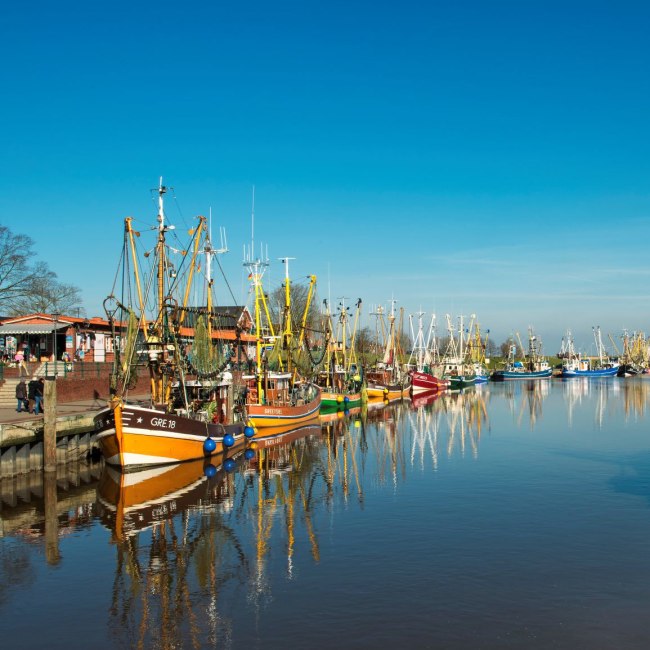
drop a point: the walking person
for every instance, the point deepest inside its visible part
(20, 360)
(21, 396)
(40, 394)
(40, 391)
(35, 395)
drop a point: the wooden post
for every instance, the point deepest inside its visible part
(230, 401)
(49, 429)
(51, 518)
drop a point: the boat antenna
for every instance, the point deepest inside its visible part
(210, 251)
(253, 221)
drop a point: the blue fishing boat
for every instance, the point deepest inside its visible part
(586, 371)
(575, 365)
(520, 372)
(531, 365)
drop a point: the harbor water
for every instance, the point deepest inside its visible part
(513, 515)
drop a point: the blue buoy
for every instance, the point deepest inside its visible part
(346, 399)
(209, 445)
(228, 440)
(210, 471)
(249, 454)
(229, 464)
(249, 432)
(346, 412)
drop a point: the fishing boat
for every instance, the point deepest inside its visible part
(529, 364)
(278, 393)
(191, 410)
(635, 358)
(341, 380)
(387, 381)
(456, 367)
(575, 365)
(423, 358)
(476, 352)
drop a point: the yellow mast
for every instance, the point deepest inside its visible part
(197, 237)
(353, 353)
(131, 234)
(303, 323)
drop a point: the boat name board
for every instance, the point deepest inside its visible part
(163, 423)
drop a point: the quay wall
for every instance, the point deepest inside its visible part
(21, 445)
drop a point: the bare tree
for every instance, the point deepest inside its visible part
(47, 295)
(30, 287)
(16, 275)
(491, 349)
(299, 293)
(505, 347)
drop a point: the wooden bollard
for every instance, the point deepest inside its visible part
(49, 428)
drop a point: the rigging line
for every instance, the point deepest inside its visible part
(117, 270)
(232, 295)
(178, 207)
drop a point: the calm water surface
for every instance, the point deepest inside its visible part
(515, 515)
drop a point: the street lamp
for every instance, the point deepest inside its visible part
(55, 317)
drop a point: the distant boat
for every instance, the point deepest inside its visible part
(423, 359)
(476, 348)
(276, 395)
(635, 358)
(518, 371)
(574, 365)
(386, 381)
(530, 365)
(341, 381)
(456, 368)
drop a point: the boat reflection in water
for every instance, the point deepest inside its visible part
(131, 502)
(183, 535)
(446, 423)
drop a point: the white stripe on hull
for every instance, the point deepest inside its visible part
(133, 431)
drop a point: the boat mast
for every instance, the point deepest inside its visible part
(287, 334)
(257, 267)
(599, 344)
(161, 251)
(209, 251)
(431, 356)
(343, 316)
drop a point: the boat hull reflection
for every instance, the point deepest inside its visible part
(136, 500)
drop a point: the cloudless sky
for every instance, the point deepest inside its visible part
(462, 157)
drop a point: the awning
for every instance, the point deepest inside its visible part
(31, 328)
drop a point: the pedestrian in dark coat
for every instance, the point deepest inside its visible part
(21, 396)
(35, 394)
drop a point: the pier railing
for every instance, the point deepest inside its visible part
(79, 369)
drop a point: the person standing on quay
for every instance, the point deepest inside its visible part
(20, 360)
(21, 396)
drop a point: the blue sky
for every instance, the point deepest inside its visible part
(466, 157)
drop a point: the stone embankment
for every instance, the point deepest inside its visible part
(80, 395)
